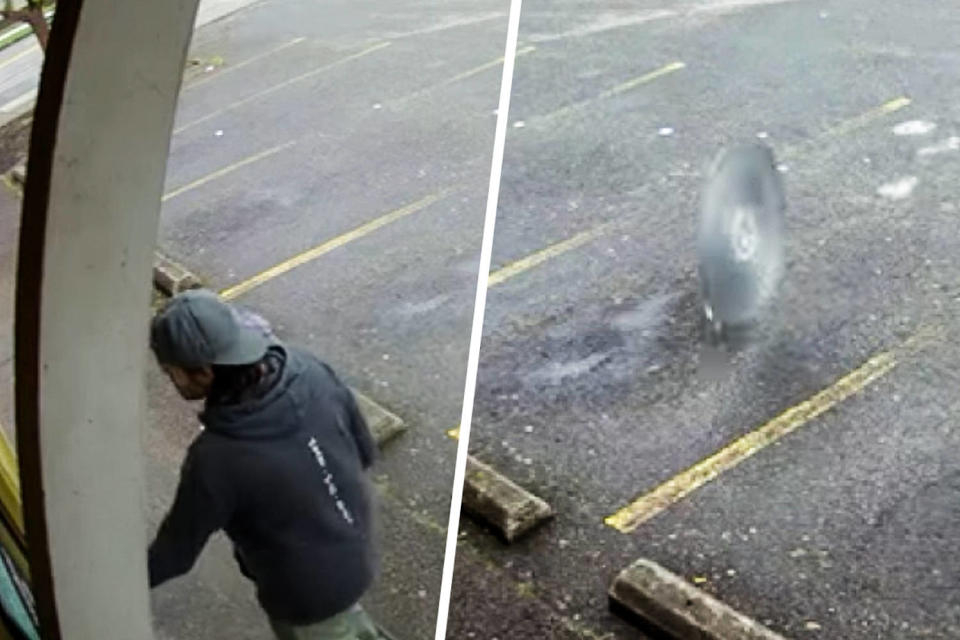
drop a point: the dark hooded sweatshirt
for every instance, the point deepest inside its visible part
(282, 474)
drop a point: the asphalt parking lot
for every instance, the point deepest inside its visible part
(815, 487)
(329, 170)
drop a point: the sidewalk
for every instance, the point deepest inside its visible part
(21, 62)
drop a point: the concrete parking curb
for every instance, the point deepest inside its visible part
(170, 277)
(384, 426)
(499, 502)
(650, 593)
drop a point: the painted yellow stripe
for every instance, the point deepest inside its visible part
(33, 49)
(281, 85)
(228, 169)
(866, 118)
(330, 245)
(531, 261)
(850, 125)
(460, 76)
(227, 69)
(644, 79)
(620, 88)
(483, 67)
(655, 502)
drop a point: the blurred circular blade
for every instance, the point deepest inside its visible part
(740, 244)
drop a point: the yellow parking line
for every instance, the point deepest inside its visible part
(483, 67)
(850, 125)
(672, 491)
(460, 76)
(534, 259)
(609, 93)
(866, 118)
(644, 79)
(225, 70)
(228, 169)
(282, 85)
(25, 52)
(330, 245)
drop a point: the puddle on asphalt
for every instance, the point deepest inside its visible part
(411, 309)
(715, 364)
(625, 342)
(648, 316)
(650, 349)
(555, 372)
(627, 346)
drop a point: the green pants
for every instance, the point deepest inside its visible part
(353, 624)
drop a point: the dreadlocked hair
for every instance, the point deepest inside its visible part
(232, 382)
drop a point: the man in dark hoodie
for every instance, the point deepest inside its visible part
(279, 466)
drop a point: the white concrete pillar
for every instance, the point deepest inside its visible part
(98, 154)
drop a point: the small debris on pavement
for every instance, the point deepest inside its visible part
(898, 189)
(914, 128)
(665, 131)
(950, 144)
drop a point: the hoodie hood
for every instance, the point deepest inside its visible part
(274, 413)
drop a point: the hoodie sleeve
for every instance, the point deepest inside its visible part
(197, 512)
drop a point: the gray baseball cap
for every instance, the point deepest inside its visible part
(196, 328)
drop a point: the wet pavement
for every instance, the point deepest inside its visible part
(382, 114)
(589, 392)
(298, 124)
